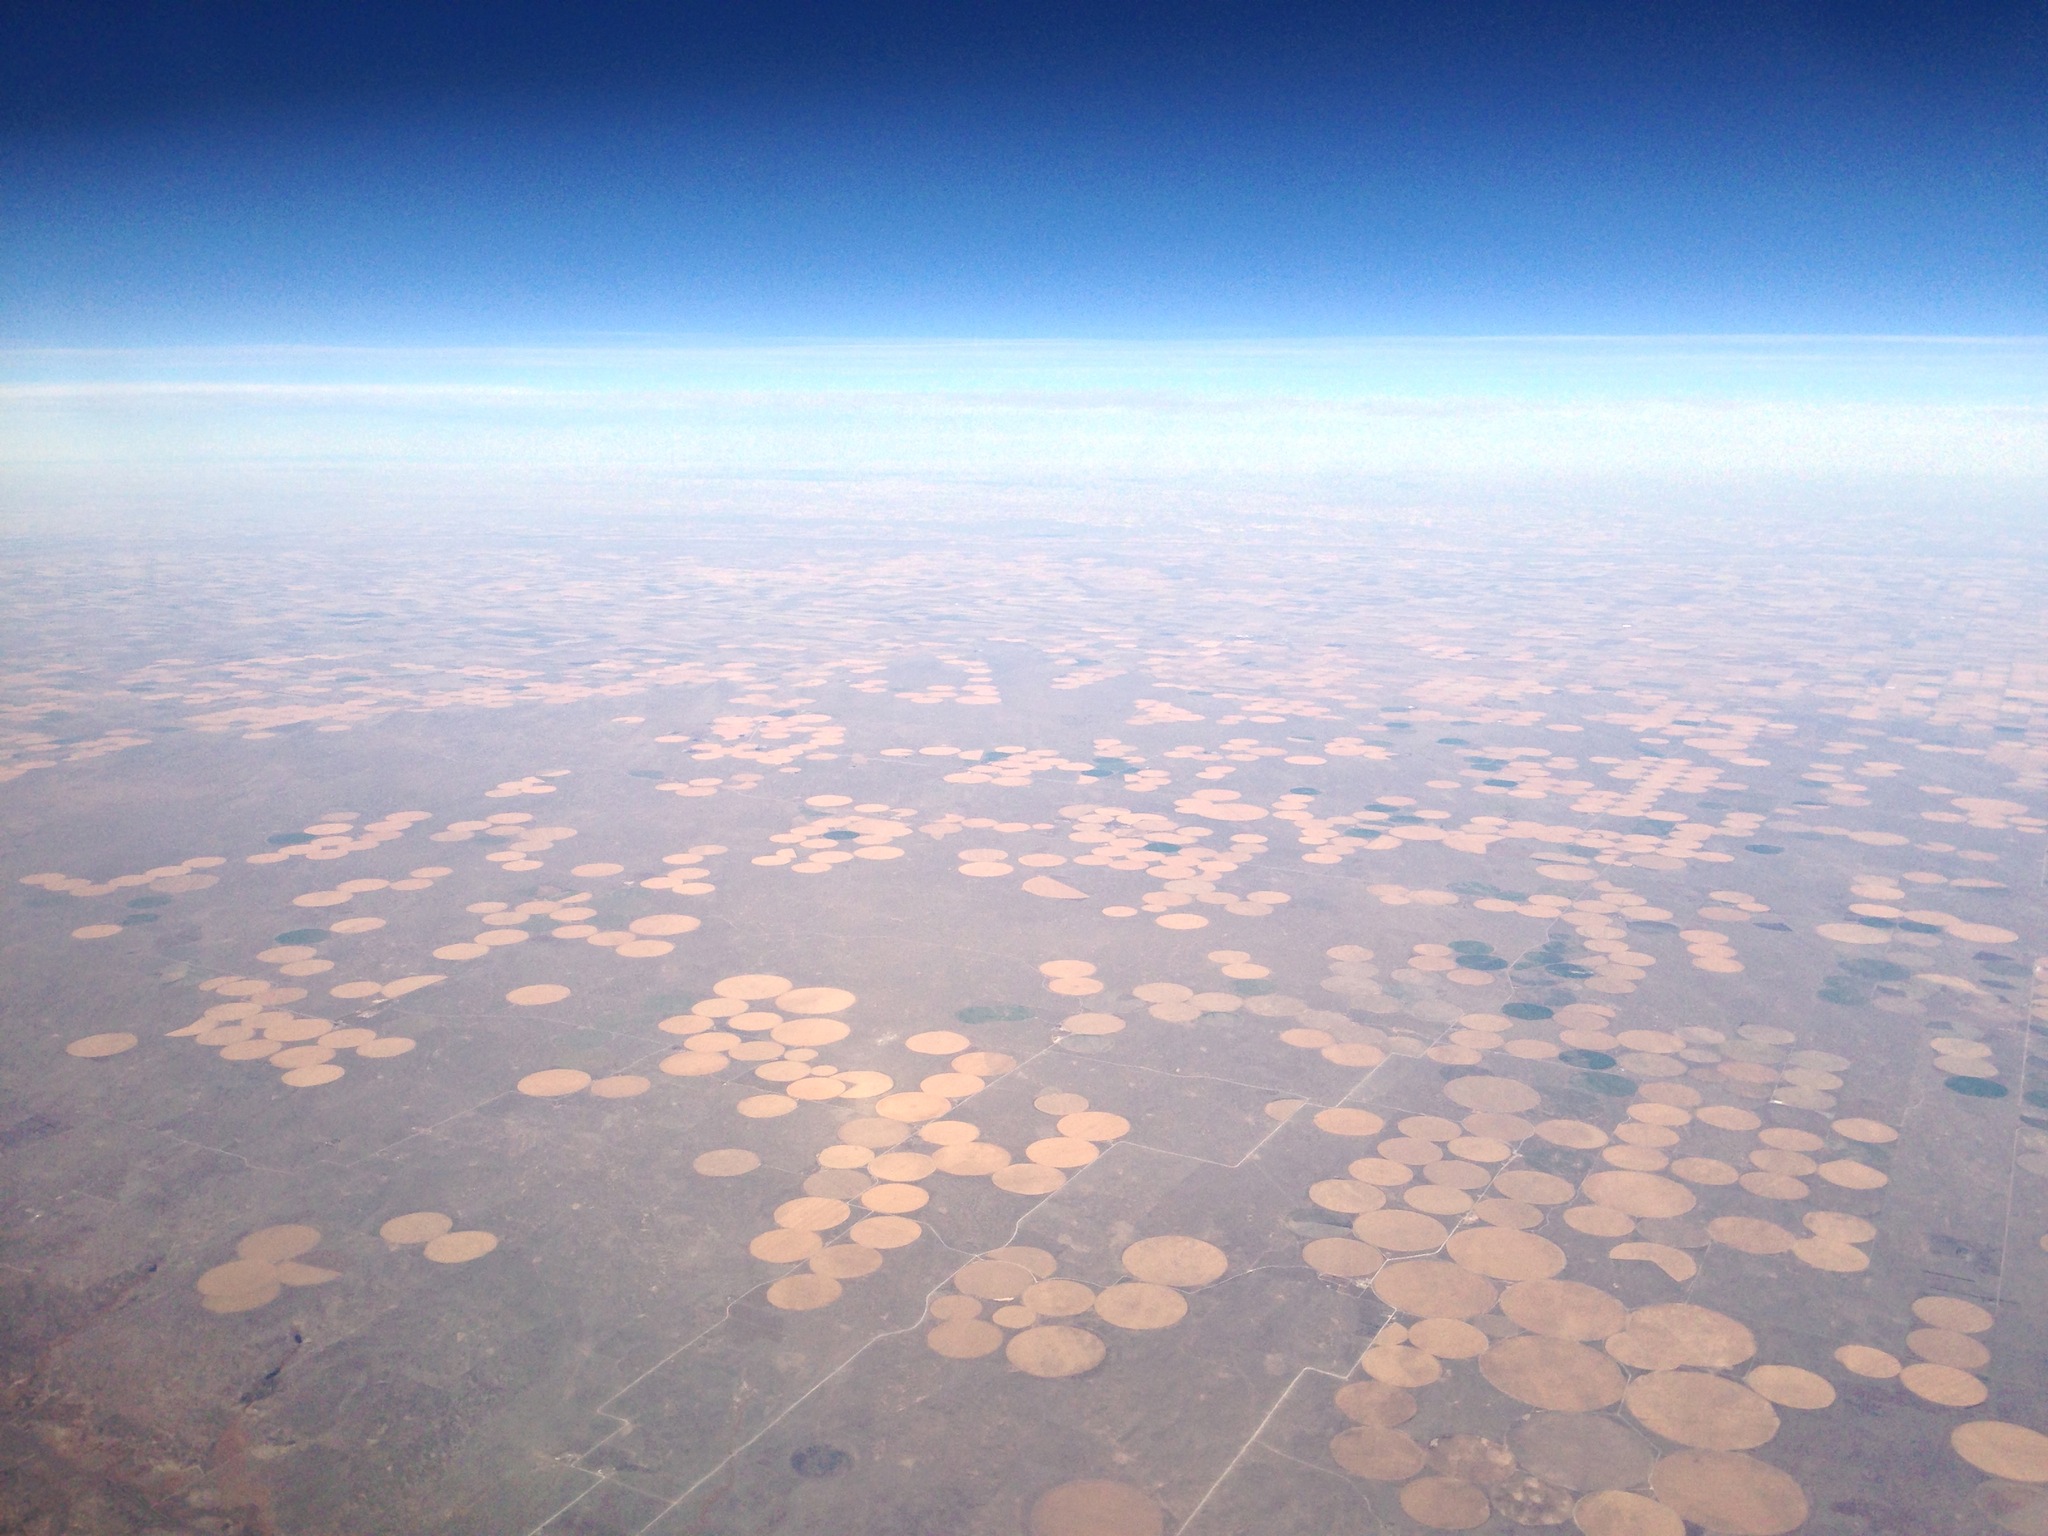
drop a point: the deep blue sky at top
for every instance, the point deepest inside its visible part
(201, 171)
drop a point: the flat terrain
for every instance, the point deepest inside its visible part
(1302, 1029)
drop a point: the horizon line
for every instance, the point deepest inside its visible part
(654, 340)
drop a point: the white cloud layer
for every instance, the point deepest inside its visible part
(243, 434)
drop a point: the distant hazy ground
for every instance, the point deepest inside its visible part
(106, 439)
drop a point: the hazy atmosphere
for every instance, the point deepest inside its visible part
(1098, 771)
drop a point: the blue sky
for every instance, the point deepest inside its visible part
(351, 255)
(208, 173)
